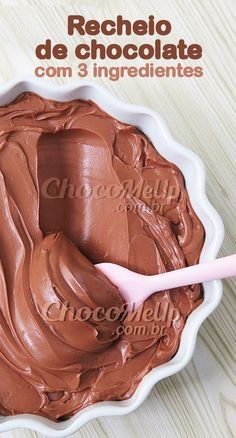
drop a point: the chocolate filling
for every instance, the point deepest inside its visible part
(78, 187)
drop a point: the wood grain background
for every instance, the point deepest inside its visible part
(200, 400)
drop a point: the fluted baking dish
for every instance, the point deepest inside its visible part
(193, 170)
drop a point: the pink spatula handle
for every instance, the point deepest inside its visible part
(206, 271)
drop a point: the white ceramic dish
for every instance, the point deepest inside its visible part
(194, 172)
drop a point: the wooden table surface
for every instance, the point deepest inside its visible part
(200, 400)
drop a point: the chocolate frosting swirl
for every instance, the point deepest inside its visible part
(55, 227)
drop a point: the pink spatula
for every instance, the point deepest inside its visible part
(136, 288)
